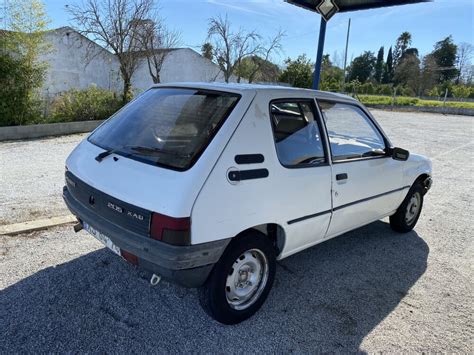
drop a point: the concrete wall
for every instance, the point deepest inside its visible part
(180, 65)
(76, 62)
(45, 130)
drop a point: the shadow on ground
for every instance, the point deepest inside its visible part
(327, 298)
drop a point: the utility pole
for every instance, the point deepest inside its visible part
(347, 47)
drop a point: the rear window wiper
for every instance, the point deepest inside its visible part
(105, 154)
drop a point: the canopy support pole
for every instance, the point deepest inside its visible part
(319, 58)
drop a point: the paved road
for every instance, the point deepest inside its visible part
(369, 290)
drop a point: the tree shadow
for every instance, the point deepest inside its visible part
(327, 298)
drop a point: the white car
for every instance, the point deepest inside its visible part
(209, 184)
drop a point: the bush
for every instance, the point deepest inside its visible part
(406, 91)
(406, 101)
(461, 91)
(385, 89)
(18, 100)
(84, 105)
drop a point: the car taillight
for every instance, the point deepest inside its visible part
(176, 231)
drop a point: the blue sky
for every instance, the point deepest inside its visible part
(370, 29)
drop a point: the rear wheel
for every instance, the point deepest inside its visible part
(241, 279)
(404, 220)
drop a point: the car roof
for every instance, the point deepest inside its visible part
(238, 87)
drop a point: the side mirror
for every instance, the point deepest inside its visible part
(400, 154)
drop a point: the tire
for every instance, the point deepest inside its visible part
(224, 295)
(404, 220)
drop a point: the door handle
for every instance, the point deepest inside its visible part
(342, 176)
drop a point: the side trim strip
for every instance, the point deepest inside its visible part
(308, 217)
(346, 205)
(249, 158)
(369, 198)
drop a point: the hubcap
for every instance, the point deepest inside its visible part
(247, 279)
(413, 208)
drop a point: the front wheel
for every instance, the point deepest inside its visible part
(404, 220)
(241, 279)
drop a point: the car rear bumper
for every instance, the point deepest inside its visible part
(186, 265)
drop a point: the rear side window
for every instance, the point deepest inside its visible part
(297, 134)
(166, 126)
(352, 135)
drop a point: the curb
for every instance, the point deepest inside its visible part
(39, 224)
(33, 131)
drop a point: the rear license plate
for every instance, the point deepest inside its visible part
(101, 238)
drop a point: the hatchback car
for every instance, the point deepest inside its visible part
(208, 185)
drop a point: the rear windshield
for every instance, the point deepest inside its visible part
(166, 126)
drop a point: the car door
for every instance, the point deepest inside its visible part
(303, 186)
(366, 181)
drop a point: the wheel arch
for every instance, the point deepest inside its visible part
(273, 231)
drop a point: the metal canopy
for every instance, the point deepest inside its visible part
(353, 5)
(328, 8)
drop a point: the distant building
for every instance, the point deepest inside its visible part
(77, 62)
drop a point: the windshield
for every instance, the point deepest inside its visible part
(166, 126)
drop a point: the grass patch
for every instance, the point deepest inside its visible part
(411, 101)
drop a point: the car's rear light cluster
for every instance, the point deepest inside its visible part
(176, 231)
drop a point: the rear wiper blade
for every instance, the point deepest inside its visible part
(108, 152)
(150, 150)
(105, 154)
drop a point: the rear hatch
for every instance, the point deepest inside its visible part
(155, 154)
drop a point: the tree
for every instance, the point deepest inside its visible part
(362, 67)
(429, 74)
(206, 50)
(403, 43)
(387, 77)
(231, 47)
(156, 42)
(256, 68)
(379, 65)
(115, 24)
(21, 71)
(407, 72)
(463, 62)
(331, 75)
(274, 45)
(444, 54)
(298, 73)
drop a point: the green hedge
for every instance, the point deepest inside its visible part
(411, 101)
(84, 105)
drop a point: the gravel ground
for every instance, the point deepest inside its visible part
(32, 178)
(370, 290)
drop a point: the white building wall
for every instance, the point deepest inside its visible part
(76, 62)
(71, 64)
(180, 65)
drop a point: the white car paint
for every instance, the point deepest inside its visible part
(220, 208)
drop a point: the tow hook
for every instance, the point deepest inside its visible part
(155, 280)
(78, 227)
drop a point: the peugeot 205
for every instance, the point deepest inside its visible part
(208, 185)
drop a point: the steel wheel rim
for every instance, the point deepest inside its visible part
(247, 279)
(413, 208)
